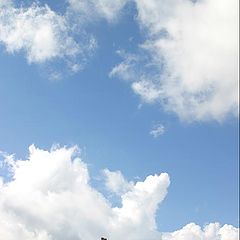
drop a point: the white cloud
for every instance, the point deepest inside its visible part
(157, 130)
(194, 48)
(38, 31)
(42, 35)
(50, 197)
(116, 183)
(212, 231)
(92, 10)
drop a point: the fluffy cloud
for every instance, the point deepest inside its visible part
(210, 232)
(193, 47)
(42, 34)
(50, 197)
(116, 183)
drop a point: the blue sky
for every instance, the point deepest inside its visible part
(111, 124)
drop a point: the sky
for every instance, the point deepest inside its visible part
(119, 119)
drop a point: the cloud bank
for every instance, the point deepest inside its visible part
(49, 197)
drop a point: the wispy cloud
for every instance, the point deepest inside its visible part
(49, 196)
(101, 9)
(157, 130)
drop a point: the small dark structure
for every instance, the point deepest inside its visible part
(102, 238)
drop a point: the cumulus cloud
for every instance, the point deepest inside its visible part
(194, 48)
(209, 232)
(49, 196)
(116, 183)
(157, 130)
(42, 35)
